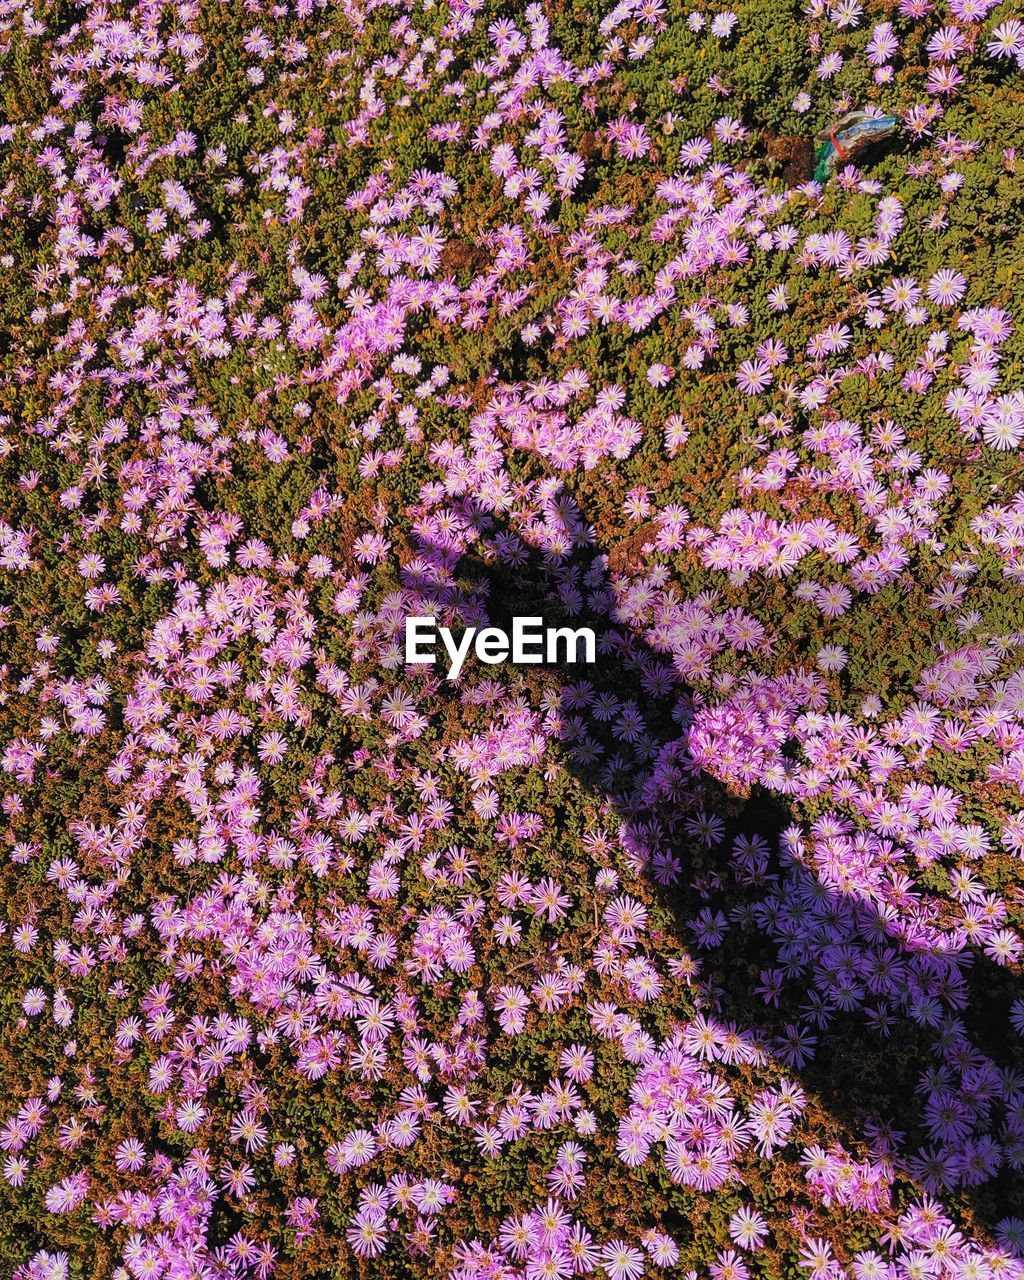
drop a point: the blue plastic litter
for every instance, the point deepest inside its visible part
(849, 138)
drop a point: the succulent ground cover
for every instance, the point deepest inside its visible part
(704, 961)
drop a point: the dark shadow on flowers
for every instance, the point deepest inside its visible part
(866, 1063)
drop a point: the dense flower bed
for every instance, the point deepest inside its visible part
(703, 961)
